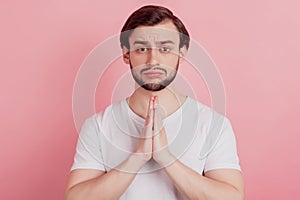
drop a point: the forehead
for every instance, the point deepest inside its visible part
(165, 31)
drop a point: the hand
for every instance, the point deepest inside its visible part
(161, 153)
(144, 148)
(153, 141)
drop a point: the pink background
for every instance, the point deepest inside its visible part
(255, 45)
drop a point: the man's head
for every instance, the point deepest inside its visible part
(153, 42)
(149, 16)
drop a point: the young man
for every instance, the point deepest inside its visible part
(147, 146)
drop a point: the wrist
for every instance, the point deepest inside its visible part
(164, 157)
(139, 159)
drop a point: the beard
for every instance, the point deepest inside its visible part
(154, 87)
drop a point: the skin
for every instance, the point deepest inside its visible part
(154, 106)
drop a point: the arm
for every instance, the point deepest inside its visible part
(216, 184)
(90, 184)
(225, 184)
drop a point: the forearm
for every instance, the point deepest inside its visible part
(196, 186)
(110, 185)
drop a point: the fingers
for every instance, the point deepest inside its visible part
(160, 141)
(154, 119)
(149, 119)
(150, 113)
(157, 119)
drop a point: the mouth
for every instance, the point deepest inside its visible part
(153, 74)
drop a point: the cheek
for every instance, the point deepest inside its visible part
(136, 59)
(170, 61)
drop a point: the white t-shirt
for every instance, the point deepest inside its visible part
(199, 137)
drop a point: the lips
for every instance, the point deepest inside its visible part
(153, 74)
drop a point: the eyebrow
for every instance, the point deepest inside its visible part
(167, 42)
(160, 42)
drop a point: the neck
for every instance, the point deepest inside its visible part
(168, 99)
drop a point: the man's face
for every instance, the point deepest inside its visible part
(154, 55)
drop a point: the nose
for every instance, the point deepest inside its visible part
(153, 57)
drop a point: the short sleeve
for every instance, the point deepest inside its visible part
(224, 154)
(88, 150)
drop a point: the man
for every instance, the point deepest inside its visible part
(147, 146)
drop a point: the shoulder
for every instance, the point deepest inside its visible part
(110, 112)
(205, 113)
(213, 125)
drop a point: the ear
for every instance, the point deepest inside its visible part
(182, 52)
(125, 52)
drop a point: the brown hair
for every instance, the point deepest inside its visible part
(149, 16)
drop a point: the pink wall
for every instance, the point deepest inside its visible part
(255, 44)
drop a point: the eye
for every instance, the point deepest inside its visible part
(142, 50)
(165, 49)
